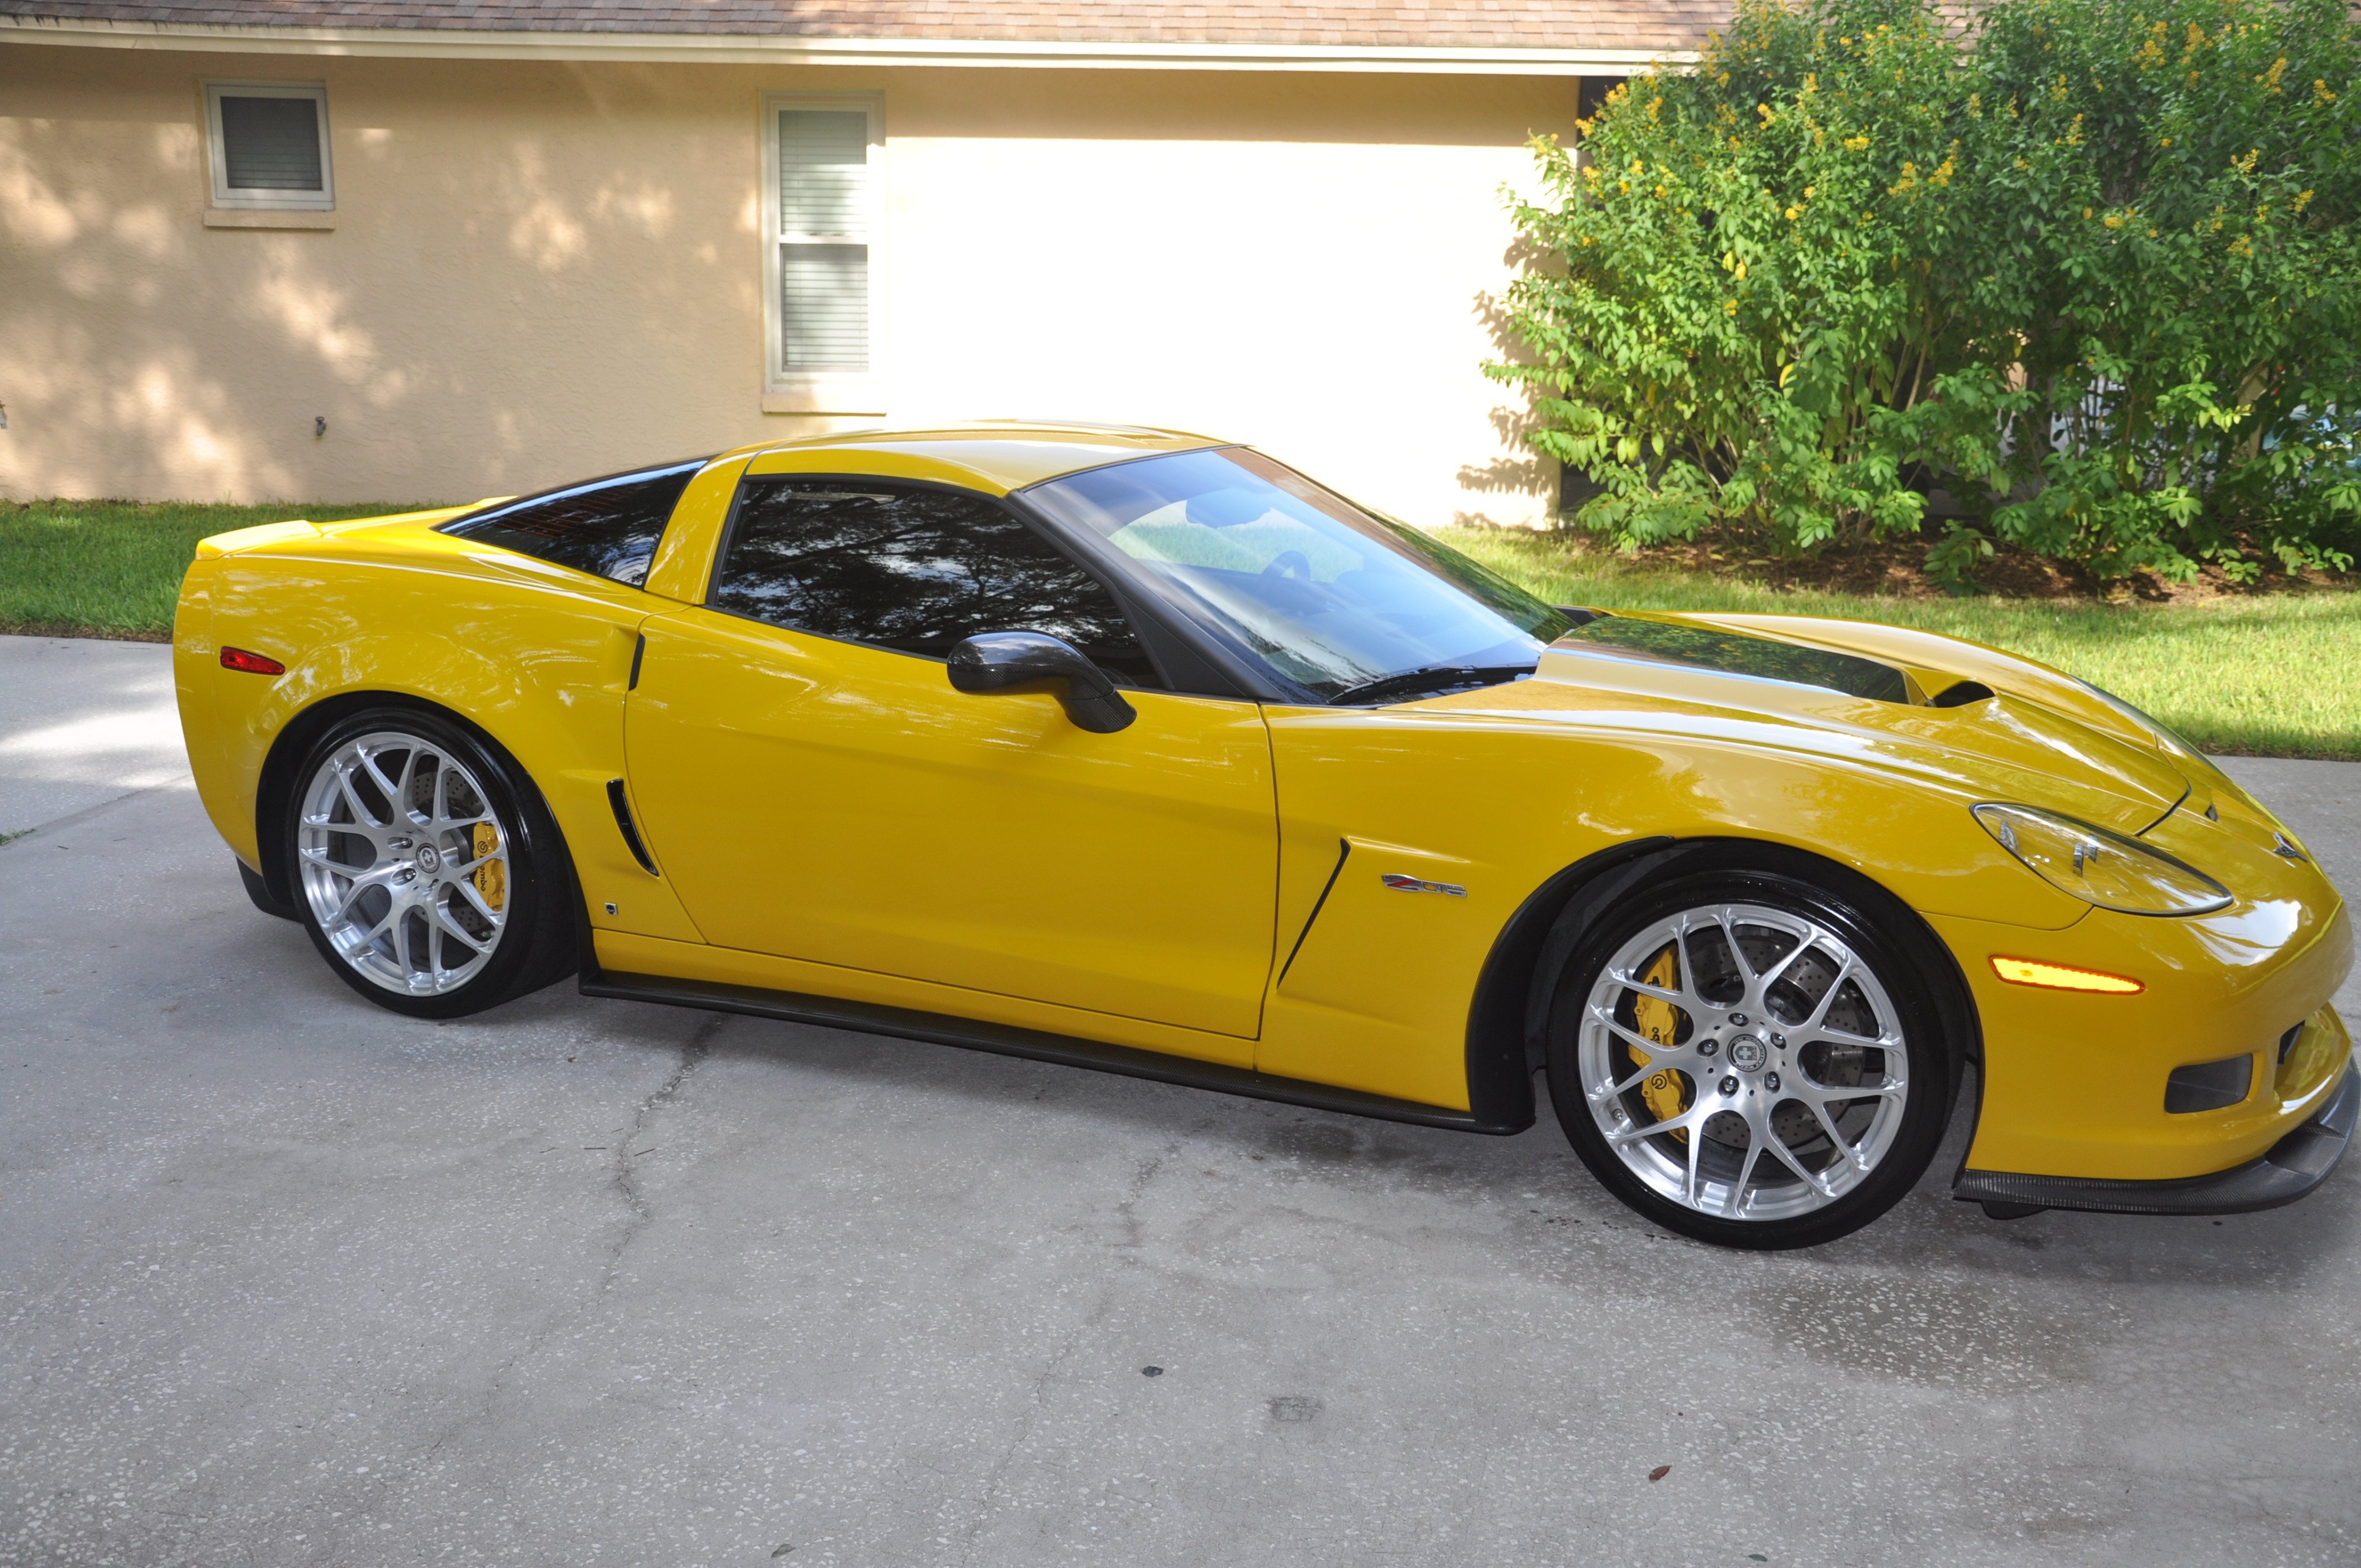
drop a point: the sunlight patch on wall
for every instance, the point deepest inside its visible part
(31, 211)
(313, 314)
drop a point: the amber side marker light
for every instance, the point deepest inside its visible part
(2058, 977)
(252, 664)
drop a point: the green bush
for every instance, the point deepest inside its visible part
(2092, 271)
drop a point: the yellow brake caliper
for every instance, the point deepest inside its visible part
(491, 878)
(1666, 1093)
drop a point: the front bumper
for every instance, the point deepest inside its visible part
(2290, 1169)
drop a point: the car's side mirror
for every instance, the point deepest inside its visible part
(1035, 661)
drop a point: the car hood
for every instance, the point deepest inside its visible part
(1982, 722)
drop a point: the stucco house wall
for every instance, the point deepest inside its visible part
(542, 271)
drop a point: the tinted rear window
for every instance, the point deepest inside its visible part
(607, 527)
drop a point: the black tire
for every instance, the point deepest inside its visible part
(537, 943)
(1914, 974)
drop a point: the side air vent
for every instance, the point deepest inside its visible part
(1960, 694)
(2208, 1086)
(630, 832)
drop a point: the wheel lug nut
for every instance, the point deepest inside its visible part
(1729, 1086)
(1739, 1019)
(1708, 1049)
(1778, 1039)
(1772, 1084)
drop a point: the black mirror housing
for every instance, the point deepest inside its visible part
(1035, 661)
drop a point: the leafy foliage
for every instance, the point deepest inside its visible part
(2093, 270)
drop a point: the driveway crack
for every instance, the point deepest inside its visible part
(1143, 1174)
(625, 1178)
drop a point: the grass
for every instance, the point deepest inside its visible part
(2267, 675)
(113, 568)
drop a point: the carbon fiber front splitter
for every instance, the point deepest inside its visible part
(2291, 1168)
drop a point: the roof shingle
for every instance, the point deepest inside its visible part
(1620, 25)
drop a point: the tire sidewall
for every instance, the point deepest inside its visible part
(1928, 1046)
(523, 818)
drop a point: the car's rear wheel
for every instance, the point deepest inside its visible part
(1749, 1058)
(425, 866)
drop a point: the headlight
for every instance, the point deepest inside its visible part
(2099, 867)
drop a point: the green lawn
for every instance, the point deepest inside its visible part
(113, 568)
(2271, 676)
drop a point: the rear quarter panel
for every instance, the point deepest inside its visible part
(536, 656)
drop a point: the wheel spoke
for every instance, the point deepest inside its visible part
(467, 890)
(1632, 982)
(1600, 1096)
(1771, 975)
(1736, 1199)
(1638, 1041)
(361, 885)
(1688, 1119)
(402, 939)
(1737, 954)
(1845, 1151)
(376, 776)
(353, 801)
(452, 927)
(1786, 1156)
(1828, 997)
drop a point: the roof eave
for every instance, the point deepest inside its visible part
(740, 48)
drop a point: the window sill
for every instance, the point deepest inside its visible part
(266, 218)
(843, 397)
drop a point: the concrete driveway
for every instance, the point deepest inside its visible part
(286, 1279)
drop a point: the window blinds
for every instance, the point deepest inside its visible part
(270, 144)
(823, 240)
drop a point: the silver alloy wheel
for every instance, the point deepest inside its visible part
(1733, 1032)
(403, 863)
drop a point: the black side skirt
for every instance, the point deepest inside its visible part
(943, 1030)
(2292, 1168)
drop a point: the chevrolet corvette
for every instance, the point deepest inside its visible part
(1139, 751)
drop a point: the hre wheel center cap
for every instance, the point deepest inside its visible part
(1748, 1054)
(429, 860)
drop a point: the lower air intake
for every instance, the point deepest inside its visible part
(2209, 1086)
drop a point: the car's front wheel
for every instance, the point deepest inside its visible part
(1750, 1058)
(427, 870)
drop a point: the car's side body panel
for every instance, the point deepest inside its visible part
(840, 804)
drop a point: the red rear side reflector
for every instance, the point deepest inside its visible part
(252, 664)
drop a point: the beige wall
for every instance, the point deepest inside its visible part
(539, 272)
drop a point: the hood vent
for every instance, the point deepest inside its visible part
(1736, 653)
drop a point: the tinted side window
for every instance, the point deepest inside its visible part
(912, 569)
(607, 527)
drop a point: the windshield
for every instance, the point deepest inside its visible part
(1328, 596)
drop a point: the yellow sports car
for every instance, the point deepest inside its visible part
(1142, 751)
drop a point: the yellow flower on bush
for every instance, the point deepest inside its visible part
(1856, 144)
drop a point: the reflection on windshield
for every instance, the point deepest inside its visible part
(1329, 597)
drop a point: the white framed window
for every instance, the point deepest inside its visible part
(822, 158)
(270, 145)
